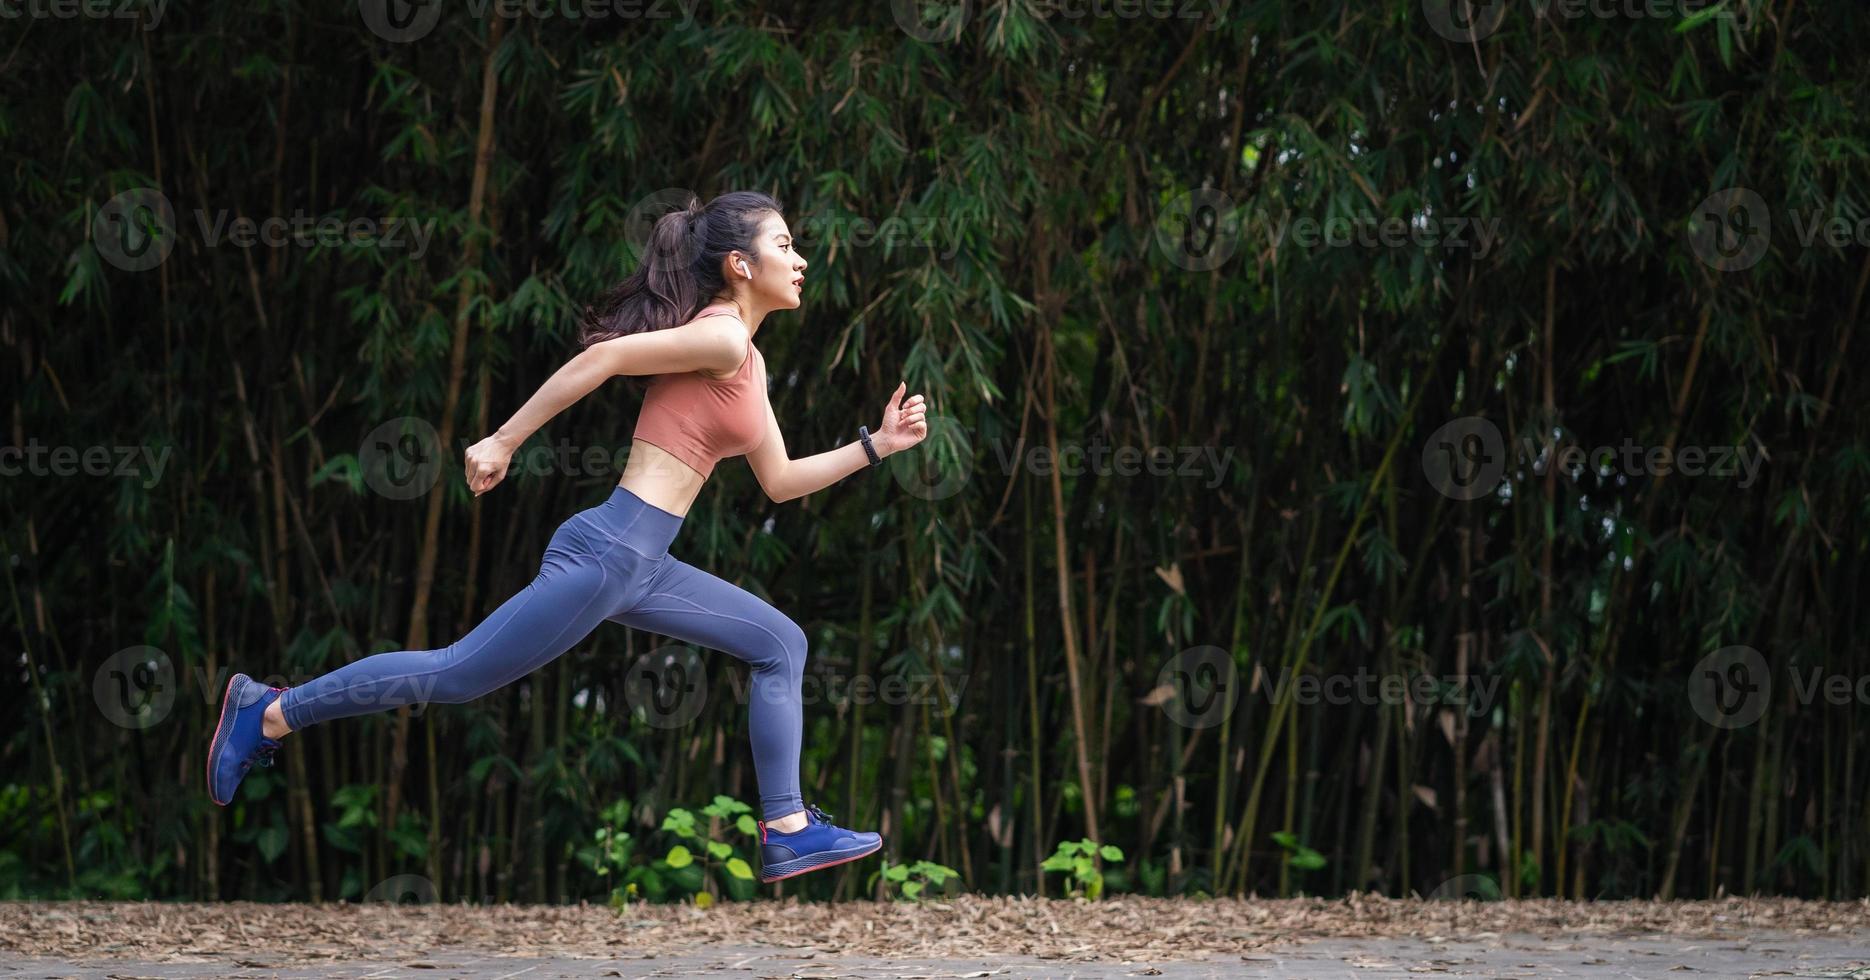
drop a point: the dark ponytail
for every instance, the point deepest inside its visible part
(680, 271)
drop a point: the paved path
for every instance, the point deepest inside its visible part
(1841, 957)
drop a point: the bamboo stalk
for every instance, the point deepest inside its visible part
(1549, 679)
(477, 239)
(1073, 683)
(1037, 752)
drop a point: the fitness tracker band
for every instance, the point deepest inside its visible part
(863, 433)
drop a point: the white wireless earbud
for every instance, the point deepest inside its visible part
(744, 272)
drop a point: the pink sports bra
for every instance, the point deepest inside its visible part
(701, 420)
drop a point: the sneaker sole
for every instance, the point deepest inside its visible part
(221, 731)
(815, 862)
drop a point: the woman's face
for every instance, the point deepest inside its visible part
(779, 270)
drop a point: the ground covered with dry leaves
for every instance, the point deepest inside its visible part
(1121, 929)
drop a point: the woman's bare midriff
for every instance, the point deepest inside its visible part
(660, 479)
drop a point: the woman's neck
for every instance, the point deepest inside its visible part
(748, 313)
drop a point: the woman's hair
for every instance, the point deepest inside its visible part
(681, 267)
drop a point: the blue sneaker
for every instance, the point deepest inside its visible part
(239, 738)
(820, 844)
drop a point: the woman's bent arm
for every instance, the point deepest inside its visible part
(784, 478)
(711, 344)
(716, 344)
(576, 379)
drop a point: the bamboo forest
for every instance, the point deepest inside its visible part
(1397, 446)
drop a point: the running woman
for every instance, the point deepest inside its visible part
(687, 317)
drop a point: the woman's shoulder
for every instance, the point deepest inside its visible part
(713, 312)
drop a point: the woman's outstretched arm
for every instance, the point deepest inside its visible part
(710, 344)
(784, 478)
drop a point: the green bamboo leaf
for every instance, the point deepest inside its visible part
(1700, 17)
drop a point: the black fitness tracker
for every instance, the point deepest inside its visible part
(863, 433)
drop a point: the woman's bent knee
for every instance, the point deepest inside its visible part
(779, 667)
(793, 647)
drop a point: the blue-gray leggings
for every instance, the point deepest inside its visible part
(610, 562)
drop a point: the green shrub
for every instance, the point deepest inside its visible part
(1078, 858)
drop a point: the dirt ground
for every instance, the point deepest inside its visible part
(971, 936)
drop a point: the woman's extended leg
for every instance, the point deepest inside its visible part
(573, 592)
(571, 595)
